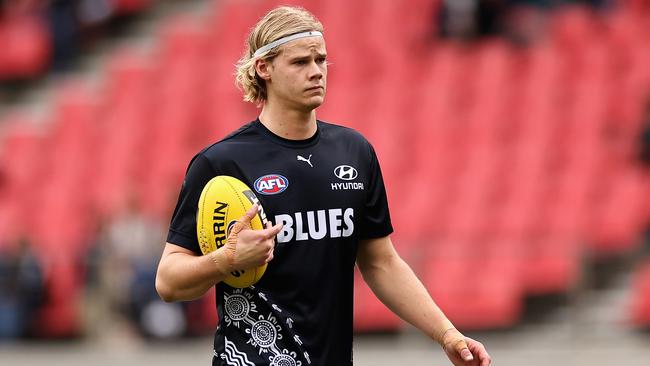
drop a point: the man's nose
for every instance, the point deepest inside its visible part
(315, 71)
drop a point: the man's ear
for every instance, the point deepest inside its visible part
(263, 69)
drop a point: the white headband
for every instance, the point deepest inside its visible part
(262, 50)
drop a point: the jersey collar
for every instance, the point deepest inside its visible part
(296, 144)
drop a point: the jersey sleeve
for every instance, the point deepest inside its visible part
(376, 219)
(182, 230)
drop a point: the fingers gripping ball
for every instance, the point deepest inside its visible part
(223, 202)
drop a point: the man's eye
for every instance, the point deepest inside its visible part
(321, 60)
(300, 62)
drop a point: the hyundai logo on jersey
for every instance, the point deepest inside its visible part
(271, 184)
(345, 172)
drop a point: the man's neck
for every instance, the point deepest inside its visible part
(287, 123)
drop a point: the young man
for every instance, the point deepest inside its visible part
(330, 213)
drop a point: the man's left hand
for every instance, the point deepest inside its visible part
(464, 351)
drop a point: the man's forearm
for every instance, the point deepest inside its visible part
(395, 284)
(183, 277)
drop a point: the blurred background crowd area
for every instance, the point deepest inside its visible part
(49, 35)
(514, 137)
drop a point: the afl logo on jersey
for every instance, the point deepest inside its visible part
(345, 172)
(271, 184)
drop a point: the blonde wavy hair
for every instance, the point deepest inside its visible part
(278, 23)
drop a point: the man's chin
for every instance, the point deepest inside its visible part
(315, 102)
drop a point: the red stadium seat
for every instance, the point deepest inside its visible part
(637, 6)
(475, 292)
(123, 7)
(73, 135)
(184, 40)
(370, 315)
(129, 74)
(621, 218)
(552, 265)
(21, 160)
(26, 47)
(573, 27)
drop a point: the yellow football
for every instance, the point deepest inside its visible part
(224, 200)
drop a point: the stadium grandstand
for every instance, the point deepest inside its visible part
(512, 145)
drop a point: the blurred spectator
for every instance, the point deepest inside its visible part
(69, 22)
(473, 19)
(22, 290)
(98, 299)
(92, 12)
(598, 4)
(520, 21)
(458, 19)
(121, 277)
(94, 16)
(64, 28)
(490, 17)
(525, 21)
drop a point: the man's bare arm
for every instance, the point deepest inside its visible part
(184, 275)
(395, 284)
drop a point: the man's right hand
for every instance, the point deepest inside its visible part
(247, 248)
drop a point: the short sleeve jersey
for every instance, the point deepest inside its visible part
(328, 192)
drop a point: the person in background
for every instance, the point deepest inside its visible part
(22, 289)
